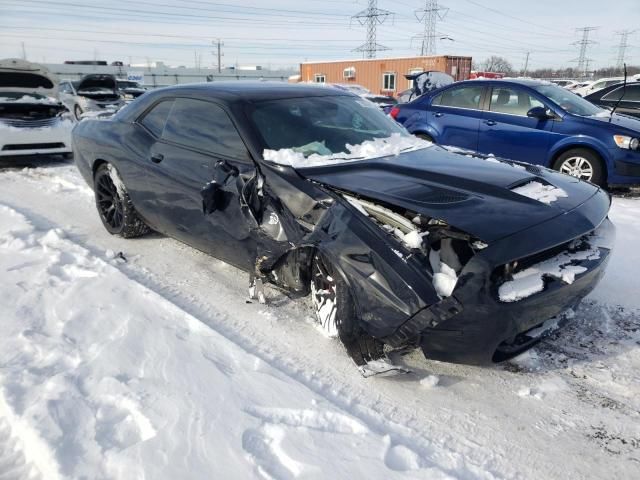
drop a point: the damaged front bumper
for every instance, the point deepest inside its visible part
(474, 326)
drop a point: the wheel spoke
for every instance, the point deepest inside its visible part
(108, 201)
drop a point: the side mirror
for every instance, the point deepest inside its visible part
(540, 113)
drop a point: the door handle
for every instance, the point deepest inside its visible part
(438, 114)
(491, 123)
(157, 157)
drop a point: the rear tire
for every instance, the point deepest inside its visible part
(582, 163)
(335, 311)
(77, 112)
(114, 206)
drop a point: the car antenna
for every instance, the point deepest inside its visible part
(624, 89)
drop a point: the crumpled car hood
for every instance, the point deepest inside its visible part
(472, 194)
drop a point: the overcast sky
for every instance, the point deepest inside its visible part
(281, 33)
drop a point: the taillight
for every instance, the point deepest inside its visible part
(394, 112)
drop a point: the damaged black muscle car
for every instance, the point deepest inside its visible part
(399, 243)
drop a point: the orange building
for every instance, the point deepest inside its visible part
(383, 75)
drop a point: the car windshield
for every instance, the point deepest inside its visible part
(568, 101)
(328, 128)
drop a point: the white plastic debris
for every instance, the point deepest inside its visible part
(376, 148)
(541, 192)
(381, 367)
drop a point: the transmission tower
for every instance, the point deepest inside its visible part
(622, 48)
(526, 64)
(371, 17)
(582, 59)
(430, 15)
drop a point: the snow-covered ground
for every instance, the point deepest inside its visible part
(132, 359)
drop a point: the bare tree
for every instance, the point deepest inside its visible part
(496, 64)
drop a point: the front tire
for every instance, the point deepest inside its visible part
(425, 136)
(114, 206)
(336, 313)
(581, 163)
(77, 112)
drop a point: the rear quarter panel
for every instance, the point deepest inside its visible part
(122, 144)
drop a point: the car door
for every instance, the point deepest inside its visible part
(200, 145)
(506, 131)
(455, 115)
(630, 103)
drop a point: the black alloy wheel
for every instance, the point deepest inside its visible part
(109, 202)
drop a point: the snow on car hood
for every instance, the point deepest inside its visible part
(29, 99)
(25, 77)
(379, 147)
(616, 122)
(473, 194)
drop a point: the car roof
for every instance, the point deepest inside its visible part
(527, 82)
(253, 90)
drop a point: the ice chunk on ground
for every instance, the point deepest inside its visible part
(376, 148)
(430, 381)
(541, 192)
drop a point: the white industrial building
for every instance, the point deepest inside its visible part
(157, 74)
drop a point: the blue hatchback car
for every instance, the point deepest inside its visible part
(529, 121)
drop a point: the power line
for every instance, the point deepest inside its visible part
(430, 15)
(371, 16)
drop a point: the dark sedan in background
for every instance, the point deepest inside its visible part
(396, 240)
(625, 98)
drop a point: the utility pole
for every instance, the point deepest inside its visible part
(219, 45)
(24, 51)
(622, 48)
(526, 64)
(430, 15)
(371, 16)
(582, 59)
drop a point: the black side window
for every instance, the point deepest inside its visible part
(205, 126)
(156, 118)
(631, 94)
(461, 97)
